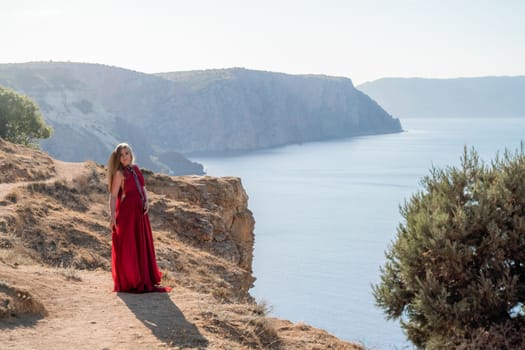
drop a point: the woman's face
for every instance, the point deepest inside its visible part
(125, 157)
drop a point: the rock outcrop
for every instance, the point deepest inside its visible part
(208, 213)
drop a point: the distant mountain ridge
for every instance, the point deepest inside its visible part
(449, 98)
(92, 107)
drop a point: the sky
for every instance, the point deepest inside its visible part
(362, 40)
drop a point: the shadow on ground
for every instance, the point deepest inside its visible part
(22, 321)
(165, 320)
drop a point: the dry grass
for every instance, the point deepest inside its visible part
(15, 256)
(222, 294)
(62, 192)
(18, 163)
(13, 196)
(69, 273)
(248, 330)
(266, 333)
(262, 308)
(15, 302)
(302, 326)
(168, 278)
(90, 182)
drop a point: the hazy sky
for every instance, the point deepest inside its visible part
(363, 40)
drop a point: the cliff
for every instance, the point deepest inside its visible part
(55, 251)
(246, 110)
(483, 97)
(92, 107)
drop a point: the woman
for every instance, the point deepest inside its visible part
(134, 266)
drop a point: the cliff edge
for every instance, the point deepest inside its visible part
(55, 251)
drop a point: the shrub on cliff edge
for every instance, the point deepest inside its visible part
(20, 119)
(456, 268)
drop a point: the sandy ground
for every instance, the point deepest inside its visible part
(86, 314)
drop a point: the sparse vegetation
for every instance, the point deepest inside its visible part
(168, 278)
(70, 273)
(16, 165)
(89, 182)
(12, 250)
(262, 308)
(16, 302)
(252, 331)
(266, 333)
(65, 193)
(12, 196)
(222, 294)
(15, 256)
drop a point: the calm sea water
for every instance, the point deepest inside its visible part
(326, 212)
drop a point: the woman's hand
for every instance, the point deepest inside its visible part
(112, 222)
(146, 207)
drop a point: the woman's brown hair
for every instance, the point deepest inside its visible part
(114, 162)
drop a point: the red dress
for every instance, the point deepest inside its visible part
(134, 266)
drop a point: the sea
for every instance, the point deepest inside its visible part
(326, 212)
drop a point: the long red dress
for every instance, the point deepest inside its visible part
(134, 266)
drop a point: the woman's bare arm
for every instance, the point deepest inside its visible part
(115, 187)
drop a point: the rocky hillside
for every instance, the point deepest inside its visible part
(55, 251)
(245, 110)
(491, 97)
(92, 107)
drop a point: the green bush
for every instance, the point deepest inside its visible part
(20, 119)
(456, 268)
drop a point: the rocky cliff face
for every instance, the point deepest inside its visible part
(239, 109)
(210, 214)
(214, 216)
(93, 107)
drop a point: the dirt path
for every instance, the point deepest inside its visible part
(64, 171)
(87, 315)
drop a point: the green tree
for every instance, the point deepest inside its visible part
(20, 119)
(455, 271)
